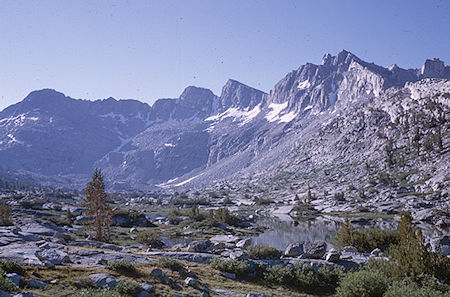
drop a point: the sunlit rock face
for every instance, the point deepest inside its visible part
(201, 137)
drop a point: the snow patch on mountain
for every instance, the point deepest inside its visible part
(244, 116)
(287, 117)
(276, 109)
(304, 85)
(188, 180)
(18, 120)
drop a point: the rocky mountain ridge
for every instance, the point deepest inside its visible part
(200, 138)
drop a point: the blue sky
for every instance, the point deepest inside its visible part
(153, 49)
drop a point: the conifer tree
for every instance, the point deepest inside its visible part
(95, 201)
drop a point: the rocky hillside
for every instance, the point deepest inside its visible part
(314, 122)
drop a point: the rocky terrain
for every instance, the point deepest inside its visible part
(50, 238)
(192, 180)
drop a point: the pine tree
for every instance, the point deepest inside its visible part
(95, 201)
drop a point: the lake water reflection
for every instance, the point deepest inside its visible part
(283, 232)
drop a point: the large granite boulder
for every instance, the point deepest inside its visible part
(333, 256)
(294, 249)
(314, 249)
(200, 246)
(103, 280)
(52, 256)
(130, 220)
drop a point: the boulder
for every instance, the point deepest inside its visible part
(144, 294)
(148, 286)
(192, 282)
(42, 228)
(294, 249)
(225, 238)
(238, 255)
(130, 220)
(445, 250)
(229, 275)
(159, 274)
(112, 247)
(219, 246)
(314, 249)
(4, 294)
(103, 280)
(66, 237)
(200, 246)
(15, 278)
(333, 256)
(350, 249)
(376, 252)
(52, 256)
(244, 243)
(424, 215)
(35, 283)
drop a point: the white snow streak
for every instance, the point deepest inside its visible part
(273, 115)
(304, 85)
(287, 117)
(245, 116)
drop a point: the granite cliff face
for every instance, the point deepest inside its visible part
(200, 138)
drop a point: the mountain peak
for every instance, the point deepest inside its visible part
(432, 68)
(193, 91)
(44, 93)
(344, 57)
(237, 94)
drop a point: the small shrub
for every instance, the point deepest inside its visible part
(122, 267)
(5, 213)
(363, 283)
(306, 278)
(339, 196)
(149, 238)
(195, 214)
(329, 277)
(324, 280)
(222, 216)
(174, 216)
(279, 275)
(412, 289)
(258, 252)
(128, 288)
(171, 264)
(12, 267)
(240, 268)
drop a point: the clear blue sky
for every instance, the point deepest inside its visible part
(154, 49)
